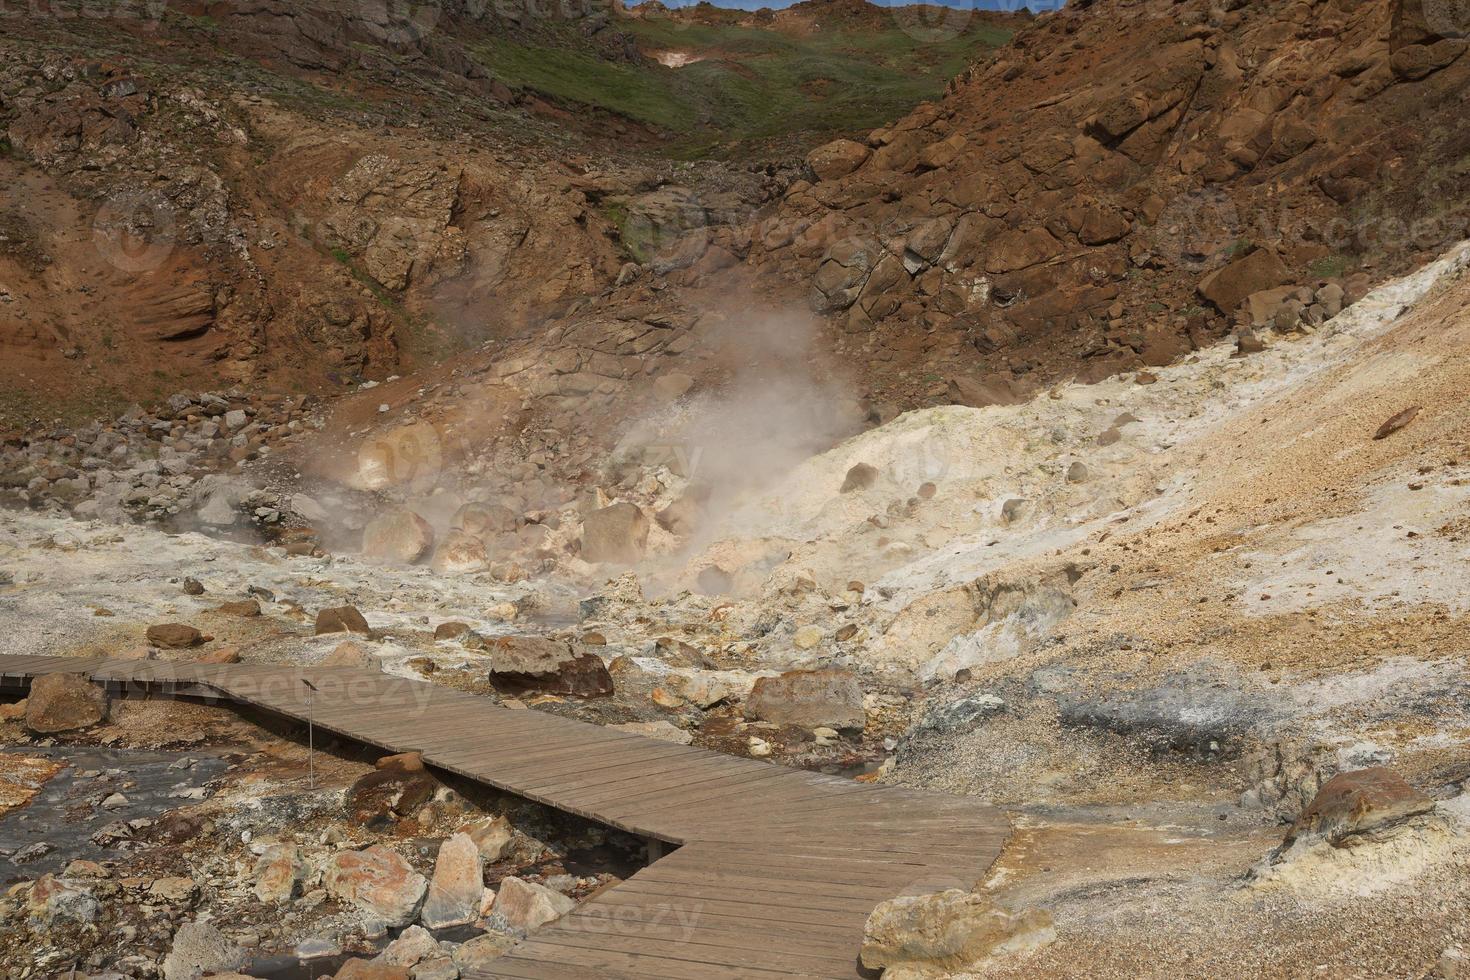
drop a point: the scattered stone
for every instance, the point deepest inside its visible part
(1229, 286)
(526, 905)
(450, 630)
(959, 715)
(64, 703)
(378, 882)
(414, 945)
(174, 636)
(478, 953)
(200, 949)
(246, 608)
(1396, 423)
(1077, 472)
(193, 586)
(807, 637)
(341, 619)
(809, 699)
(370, 970)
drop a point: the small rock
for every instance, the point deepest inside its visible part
(616, 534)
(224, 655)
(192, 586)
(1396, 423)
(174, 636)
(246, 608)
(1355, 806)
(279, 874)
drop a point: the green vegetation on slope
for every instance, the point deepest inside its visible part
(751, 83)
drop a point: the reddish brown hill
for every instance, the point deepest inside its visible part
(1060, 206)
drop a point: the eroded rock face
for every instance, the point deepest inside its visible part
(935, 935)
(527, 905)
(808, 699)
(64, 703)
(378, 882)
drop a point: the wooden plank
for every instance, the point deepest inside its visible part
(783, 868)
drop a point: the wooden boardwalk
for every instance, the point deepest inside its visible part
(776, 869)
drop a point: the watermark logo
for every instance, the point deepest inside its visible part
(930, 23)
(1197, 230)
(409, 455)
(135, 231)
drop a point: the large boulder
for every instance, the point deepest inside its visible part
(616, 534)
(341, 619)
(527, 905)
(64, 703)
(199, 949)
(398, 787)
(837, 159)
(937, 935)
(378, 882)
(808, 699)
(1228, 287)
(525, 664)
(51, 900)
(398, 536)
(279, 873)
(1356, 807)
(492, 837)
(461, 551)
(457, 884)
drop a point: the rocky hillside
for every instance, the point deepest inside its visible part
(1111, 188)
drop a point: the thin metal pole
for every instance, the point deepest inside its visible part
(310, 737)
